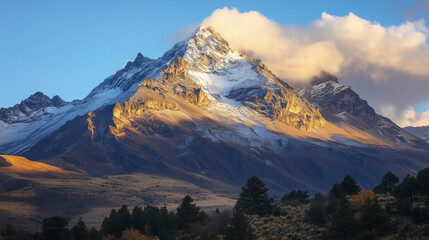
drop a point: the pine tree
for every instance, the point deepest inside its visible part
(295, 198)
(388, 181)
(343, 224)
(317, 212)
(188, 213)
(423, 181)
(138, 219)
(407, 189)
(239, 227)
(374, 218)
(54, 228)
(350, 186)
(79, 230)
(254, 198)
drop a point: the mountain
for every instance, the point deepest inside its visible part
(205, 110)
(340, 105)
(421, 132)
(30, 109)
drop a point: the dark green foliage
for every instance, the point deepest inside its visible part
(153, 220)
(295, 198)
(188, 213)
(407, 188)
(337, 191)
(336, 195)
(254, 198)
(111, 224)
(317, 212)
(9, 230)
(126, 220)
(55, 228)
(20, 235)
(39, 236)
(420, 215)
(165, 235)
(219, 220)
(239, 227)
(404, 207)
(343, 225)
(79, 230)
(365, 235)
(94, 234)
(374, 218)
(350, 186)
(388, 181)
(139, 220)
(117, 222)
(423, 181)
(426, 231)
(210, 234)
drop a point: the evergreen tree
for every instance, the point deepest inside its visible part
(94, 234)
(239, 227)
(374, 218)
(111, 225)
(295, 198)
(317, 213)
(79, 230)
(254, 198)
(407, 189)
(423, 181)
(138, 219)
(404, 207)
(55, 228)
(9, 230)
(337, 191)
(336, 195)
(388, 181)
(125, 218)
(117, 222)
(350, 186)
(188, 213)
(343, 224)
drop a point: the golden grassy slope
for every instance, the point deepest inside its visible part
(20, 166)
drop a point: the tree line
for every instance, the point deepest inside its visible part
(346, 212)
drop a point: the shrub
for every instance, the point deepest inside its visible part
(359, 199)
(133, 234)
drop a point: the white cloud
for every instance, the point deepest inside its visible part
(407, 117)
(387, 65)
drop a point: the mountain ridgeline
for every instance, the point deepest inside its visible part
(205, 110)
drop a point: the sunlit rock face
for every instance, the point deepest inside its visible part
(227, 74)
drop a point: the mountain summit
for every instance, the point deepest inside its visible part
(207, 111)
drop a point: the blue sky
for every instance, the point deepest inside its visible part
(66, 48)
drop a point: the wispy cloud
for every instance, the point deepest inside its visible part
(420, 9)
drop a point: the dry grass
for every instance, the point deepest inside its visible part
(291, 224)
(92, 198)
